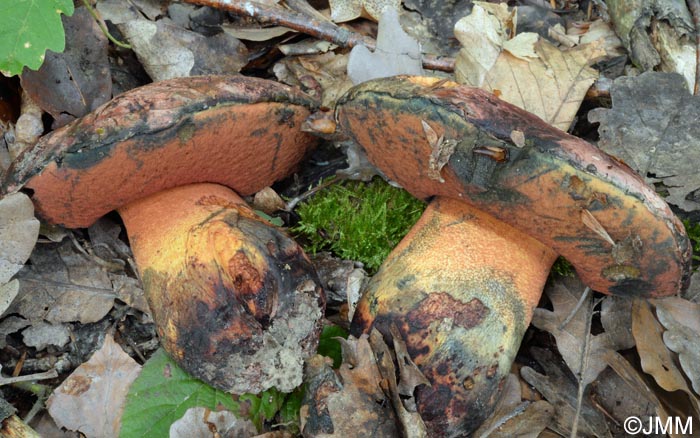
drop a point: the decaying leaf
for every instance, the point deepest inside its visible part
(73, 83)
(655, 357)
(347, 10)
(571, 336)
(42, 334)
(528, 71)
(62, 285)
(357, 384)
(396, 53)
(442, 150)
(168, 51)
(203, 422)
(616, 317)
(681, 319)
(19, 230)
(561, 392)
(323, 76)
(513, 417)
(653, 127)
(91, 399)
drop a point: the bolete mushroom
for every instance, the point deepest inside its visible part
(235, 301)
(509, 193)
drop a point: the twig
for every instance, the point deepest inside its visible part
(583, 363)
(694, 8)
(323, 30)
(297, 199)
(50, 374)
(573, 313)
(103, 28)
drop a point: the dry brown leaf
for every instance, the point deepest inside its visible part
(63, 285)
(571, 337)
(19, 230)
(616, 317)
(358, 384)
(550, 84)
(91, 399)
(346, 10)
(558, 389)
(655, 357)
(681, 318)
(513, 417)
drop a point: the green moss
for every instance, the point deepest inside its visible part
(693, 231)
(562, 267)
(358, 221)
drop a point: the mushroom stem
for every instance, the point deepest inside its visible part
(235, 301)
(461, 287)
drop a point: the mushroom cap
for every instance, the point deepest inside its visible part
(591, 208)
(237, 131)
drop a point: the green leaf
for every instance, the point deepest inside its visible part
(329, 346)
(264, 406)
(27, 29)
(161, 395)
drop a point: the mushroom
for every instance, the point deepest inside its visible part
(508, 193)
(235, 301)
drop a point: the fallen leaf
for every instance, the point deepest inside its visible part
(323, 76)
(42, 334)
(564, 293)
(8, 293)
(652, 126)
(616, 317)
(162, 393)
(347, 10)
(203, 422)
(681, 319)
(561, 392)
(655, 357)
(19, 230)
(73, 83)
(513, 417)
(168, 51)
(62, 285)
(357, 383)
(550, 84)
(396, 53)
(91, 399)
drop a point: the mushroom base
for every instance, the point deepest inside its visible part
(461, 288)
(236, 302)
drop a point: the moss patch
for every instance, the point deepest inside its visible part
(358, 221)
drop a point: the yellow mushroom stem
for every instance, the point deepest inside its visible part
(461, 287)
(224, 287)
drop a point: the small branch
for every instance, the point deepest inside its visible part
(323, 30)
(50, 374)
(573, 313)
(583, 364)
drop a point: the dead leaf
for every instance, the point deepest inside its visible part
(347, 10)
(616, 317)
(396, 53)
(412, 424)
(655, 357)
(62, 285)
(571, 337)
(42, 334)
(19, 230)
(91, 399)
(168, 51)
(70, 84)
(268, 201)
(202, 422)
(513, 417)
(681, 319)
(358, 383)
(322, 76)
(552, 84)
(441, 151)
(561, 392)
(653, 127)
